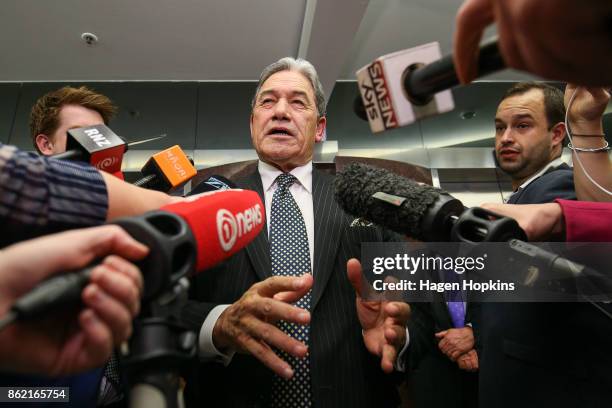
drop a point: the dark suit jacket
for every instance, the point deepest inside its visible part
(343, 372)
(557, 182)
(545, 354)
(435, 380)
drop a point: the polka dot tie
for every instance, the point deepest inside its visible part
(290, 257)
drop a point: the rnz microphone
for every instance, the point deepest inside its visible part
(183, 238)
(400, 88)
(167, 170)
(97, 145)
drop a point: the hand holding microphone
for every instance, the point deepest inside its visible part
(557, 39)
(183, 238)
(400, 88)
(540, 222)
(72, 341)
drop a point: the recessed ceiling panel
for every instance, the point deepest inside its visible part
(145, 39)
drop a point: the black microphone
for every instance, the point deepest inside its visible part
(212, 183)
(401, 87)
(431, 214)
(417, 210)
(97, 145)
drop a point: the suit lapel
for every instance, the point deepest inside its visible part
(259, 250)
(327, 232)
(439, 310)
(514, 198)
(442, 315)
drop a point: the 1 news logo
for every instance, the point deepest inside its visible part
(230, 227)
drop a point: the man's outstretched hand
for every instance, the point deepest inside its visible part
(383, 322)
(249, 324)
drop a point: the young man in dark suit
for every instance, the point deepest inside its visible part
(529, 134)
(285, 302)
(540, 354)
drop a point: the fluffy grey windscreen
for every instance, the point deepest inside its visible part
(356, 184)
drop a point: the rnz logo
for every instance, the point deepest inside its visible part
(97, 137)
(231, 228)
(107, 162)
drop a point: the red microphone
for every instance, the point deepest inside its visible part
(183, 238)
(222, 222)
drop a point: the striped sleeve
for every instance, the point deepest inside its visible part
(40, 191)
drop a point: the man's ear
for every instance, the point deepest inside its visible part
(44, 144)
(558, 134)
(321, 125)
(251, 128)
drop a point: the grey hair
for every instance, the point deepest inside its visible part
(303, 67)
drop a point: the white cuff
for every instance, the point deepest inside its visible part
(207, 350)
(399, 362)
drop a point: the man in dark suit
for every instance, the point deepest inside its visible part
(540, 353)
(441, 359)
(327, 349)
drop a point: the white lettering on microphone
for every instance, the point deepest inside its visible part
(230, 227)
(172, 158)
(377, 76)
(97, 137)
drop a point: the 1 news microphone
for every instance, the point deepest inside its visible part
(183, 238)
(399, 88)
(212, 183)
(167, 170)
(97, 145)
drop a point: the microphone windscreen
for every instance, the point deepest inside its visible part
(357, 183)
(222, 223)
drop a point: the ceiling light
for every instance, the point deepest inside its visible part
(90, 39)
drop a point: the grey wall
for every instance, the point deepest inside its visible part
(207, 117)
(215, 115)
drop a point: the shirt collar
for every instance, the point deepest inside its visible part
(269, 173)
(555, 163)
